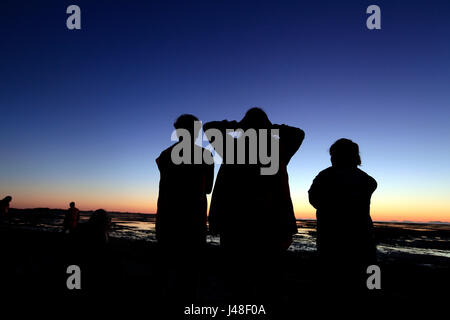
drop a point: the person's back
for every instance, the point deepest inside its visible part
(253, 212)
(181, 214)
(341, 194)
(182, 202)
(246, 205)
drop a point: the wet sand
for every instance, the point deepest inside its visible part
(35, 258)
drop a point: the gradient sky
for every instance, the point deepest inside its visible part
(84, 113)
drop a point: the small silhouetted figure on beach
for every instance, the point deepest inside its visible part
(71, 218)
(182, 205)
(341, 194)
(4, 208)
(252, 212)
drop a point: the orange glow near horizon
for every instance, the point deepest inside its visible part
(413, 211)
(379, 212)
(90, 207)
(144, 200)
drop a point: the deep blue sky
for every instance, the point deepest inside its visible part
(85, 113)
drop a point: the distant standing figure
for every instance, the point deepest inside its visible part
(4, 207)
(71, 219)
(341, 194)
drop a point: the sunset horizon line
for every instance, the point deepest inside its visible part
(297, 216)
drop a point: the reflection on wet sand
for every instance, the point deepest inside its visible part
(393, 238)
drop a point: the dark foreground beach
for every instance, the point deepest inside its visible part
(414, 260)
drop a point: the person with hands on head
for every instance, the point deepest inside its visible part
(250, 211)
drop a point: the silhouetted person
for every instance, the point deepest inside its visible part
(341, 194)
(99, 225)
(253, 213)
(90, 240)
(71, 218)
(182, 205)
(93, 235)
(4, 208)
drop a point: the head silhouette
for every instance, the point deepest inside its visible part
(7, 199)
(187, 122)
(100, 220)
(345, 153)
(255, 118)
(72, 204)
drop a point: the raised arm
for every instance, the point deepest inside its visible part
(291, 139)
(213, 128)
(222, 126)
